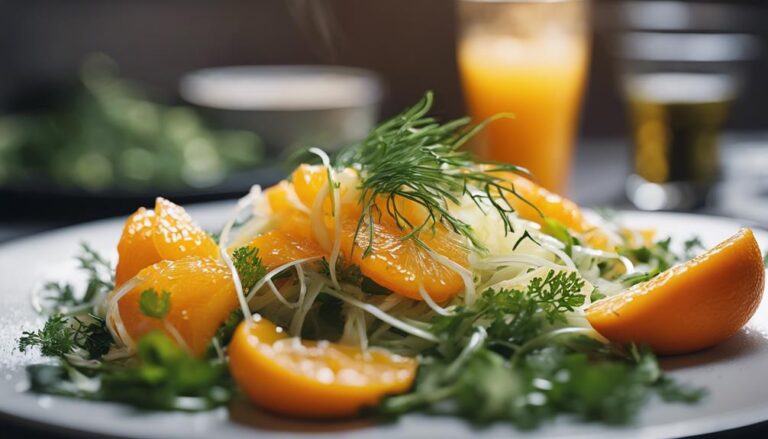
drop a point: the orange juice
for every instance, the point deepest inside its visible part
(540, 80)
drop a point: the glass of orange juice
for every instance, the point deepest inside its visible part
(529, 58)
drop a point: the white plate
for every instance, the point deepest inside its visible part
(733, 372)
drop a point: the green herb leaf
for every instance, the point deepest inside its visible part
(162, 377)
(561, 233)
(559, 292)
(249, 267)
(636, 278)
(345, 272)
(671, 391)
(92, 334)
(369, 286)
(155, 305)
(55, 339)
(167, 378)
(61, 335)
(501, 360)
(100, 281)
(576, 375)
(522, 238)
(225, 332)
(596, 295)
(101, 272)
(691, 246)
(658, 256)
(413, 157)
(512, 317)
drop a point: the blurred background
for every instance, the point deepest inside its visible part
(104, 105)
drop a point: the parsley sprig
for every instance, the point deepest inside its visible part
(574, 376)
(61, 335)
(512, 317)
(503, 360)
(248, 265)
(161, 377)
(155, 305)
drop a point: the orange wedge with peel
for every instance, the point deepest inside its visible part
(691, 306)
(312, 379)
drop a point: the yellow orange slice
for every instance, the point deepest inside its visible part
(176, 235)
(202, 295)
(690, 306)
(554, 206)
(136, 248)
(150, 236)
(312, 379)
(307, 181)
(402, 265)
(277, 197)
(278, 247)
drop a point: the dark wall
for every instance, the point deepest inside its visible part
(409, 42)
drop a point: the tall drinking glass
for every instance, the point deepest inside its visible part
(528, 58)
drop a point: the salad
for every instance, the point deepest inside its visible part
(399, 276)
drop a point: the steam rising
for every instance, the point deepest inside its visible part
(315, 18)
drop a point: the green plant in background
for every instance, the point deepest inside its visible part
(110, 135)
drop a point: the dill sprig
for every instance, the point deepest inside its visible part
(414, 157)
(101, 273)
(101, 280)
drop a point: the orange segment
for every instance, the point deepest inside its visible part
(136, 248)
(176, 235)
(202, 296)
(690, 306)
(411, 214)
(312, 379)
(285, 215)
(553, 206)
(278, 247)
(277, 197)
(307, 181)
(402, 265)
(150, 236)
